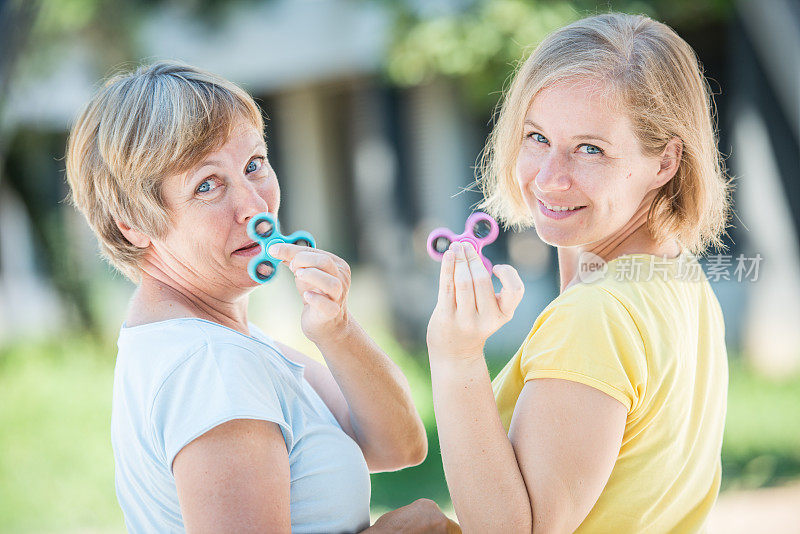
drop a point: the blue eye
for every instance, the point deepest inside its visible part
(592, 149)
(207, 185)
(539, 138)
(254, 165)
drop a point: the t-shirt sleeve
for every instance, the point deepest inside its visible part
(217, 383)
(589, 337)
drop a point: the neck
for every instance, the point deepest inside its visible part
(633, 238)
(164, 294)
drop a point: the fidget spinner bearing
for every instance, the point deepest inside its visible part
(479, 230)
(265, 230)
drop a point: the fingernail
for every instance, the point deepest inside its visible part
(274, 249)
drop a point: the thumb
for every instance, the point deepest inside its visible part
(511, 294)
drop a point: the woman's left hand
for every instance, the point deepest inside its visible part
(323, 281)
(468, 310)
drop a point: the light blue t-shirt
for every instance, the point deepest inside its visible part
(174, 380)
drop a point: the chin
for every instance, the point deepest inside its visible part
(560, 239)
(248, 283)
(240, 279)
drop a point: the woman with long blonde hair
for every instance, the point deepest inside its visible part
(610, 416)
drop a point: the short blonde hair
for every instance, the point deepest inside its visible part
(655, 77)
(140, 127)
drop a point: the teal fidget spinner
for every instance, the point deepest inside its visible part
(265, 230)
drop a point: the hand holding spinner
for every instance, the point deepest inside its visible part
(265, 230)
(479, 230)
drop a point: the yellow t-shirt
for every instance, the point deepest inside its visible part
(649, 334)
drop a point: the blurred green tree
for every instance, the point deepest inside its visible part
(480, 42)
(31, 34)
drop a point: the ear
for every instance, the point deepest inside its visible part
(670, 161)
(136, 238)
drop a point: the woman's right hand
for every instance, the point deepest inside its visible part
(420, 517)
(468, 310)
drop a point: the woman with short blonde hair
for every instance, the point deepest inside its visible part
(610, 416)
(140, 128)
(215, 426)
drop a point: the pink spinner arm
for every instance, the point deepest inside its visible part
(479, 230)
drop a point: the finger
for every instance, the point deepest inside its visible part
(481, 281)
(462, 278)
(285, 251)
(314, 258)
(447, 291)
(311, 278)
(324, 306)
(511, 294)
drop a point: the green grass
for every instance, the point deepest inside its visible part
(57, 471)
(761, 446)
(56, 466)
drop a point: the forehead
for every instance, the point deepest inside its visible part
(572, 108)
(242, 137)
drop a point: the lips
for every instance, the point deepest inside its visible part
(248, 246)
(557, 214)
(558, 204)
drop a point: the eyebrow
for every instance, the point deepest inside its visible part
(577, 137)
(218, 163)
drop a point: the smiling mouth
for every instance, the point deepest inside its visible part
(559, 208)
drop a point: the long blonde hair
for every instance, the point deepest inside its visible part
(655, 77)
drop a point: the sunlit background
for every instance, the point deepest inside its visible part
(377, 112)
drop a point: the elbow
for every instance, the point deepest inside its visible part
(516, 516)
(412, 448)
(416, 444)
(418, 451)
(408, 451)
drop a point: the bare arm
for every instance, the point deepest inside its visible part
(566, 437)
(368, 395)
(366, 391)
(235, 478)
(485, 482)
(546, 475)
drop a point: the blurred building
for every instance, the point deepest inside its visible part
(370, 168)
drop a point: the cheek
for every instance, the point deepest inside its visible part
(526, 168)
(197, 227)
(271, 193)
(620, 197)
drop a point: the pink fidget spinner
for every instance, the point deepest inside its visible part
(479, 230)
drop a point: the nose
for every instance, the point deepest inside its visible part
(248, 202)
(553, 174)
